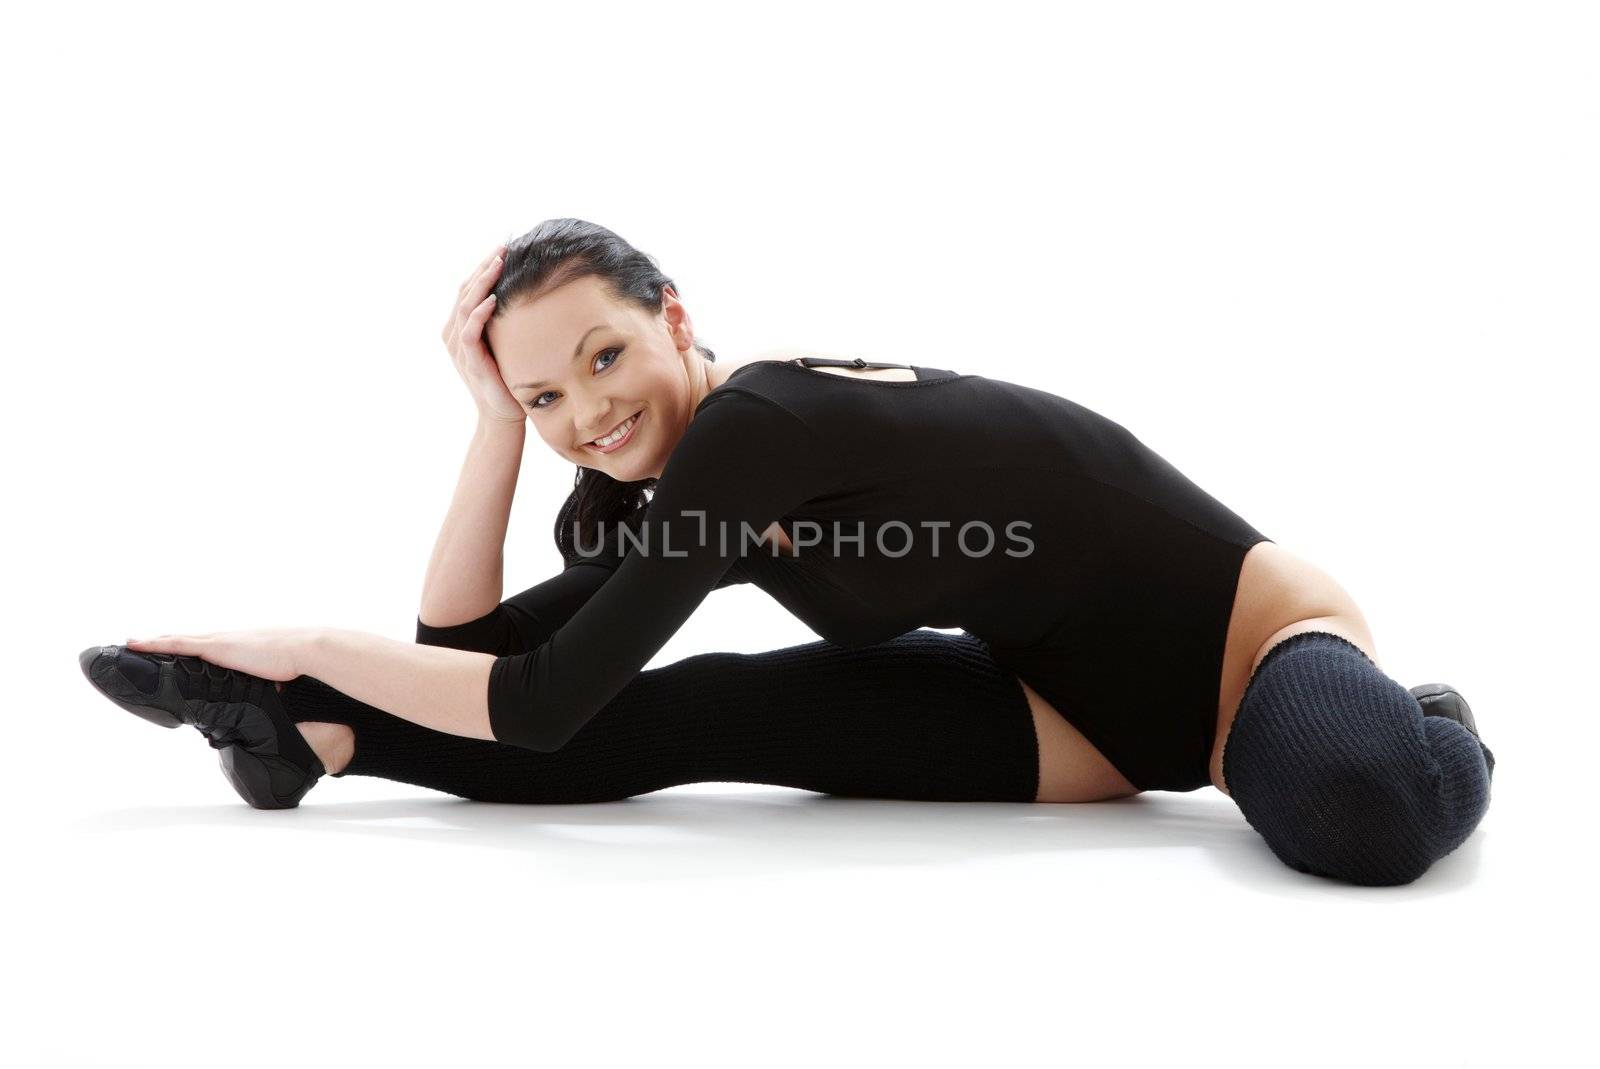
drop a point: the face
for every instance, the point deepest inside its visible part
(583, 366)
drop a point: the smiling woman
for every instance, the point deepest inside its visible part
(1096, 587)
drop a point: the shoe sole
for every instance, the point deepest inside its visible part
(253, 780)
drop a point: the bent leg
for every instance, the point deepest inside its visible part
(924, 716)
(1335, 765)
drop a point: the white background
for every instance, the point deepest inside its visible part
(1337, 262)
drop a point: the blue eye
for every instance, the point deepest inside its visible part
(535, 402)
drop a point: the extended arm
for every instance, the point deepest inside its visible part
(441, 680)
(434, 686)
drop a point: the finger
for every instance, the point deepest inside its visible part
(471, 335)
(484, 310)
(484, 282)
(470, 294)
(180, 644)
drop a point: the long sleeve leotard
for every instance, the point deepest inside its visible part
(1085, 562)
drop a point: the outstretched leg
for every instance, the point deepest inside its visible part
(1334, 763)
(924, 716)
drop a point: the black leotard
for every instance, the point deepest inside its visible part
(1108, 586)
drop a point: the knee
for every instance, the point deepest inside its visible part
(1360, 821)
(1337, 768)
(1377, 815)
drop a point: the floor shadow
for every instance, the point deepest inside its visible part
(677, 834)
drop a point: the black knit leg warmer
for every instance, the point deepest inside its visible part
(1335, 765)
(925, 716)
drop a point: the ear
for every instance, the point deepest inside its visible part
(679, 325)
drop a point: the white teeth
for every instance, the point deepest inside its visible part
(616, 434)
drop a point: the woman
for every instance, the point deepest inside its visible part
(1122, 630)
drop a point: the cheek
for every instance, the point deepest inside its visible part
(552, 432)
(660, 388)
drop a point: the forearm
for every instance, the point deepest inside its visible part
(437, 687)
(465, 576)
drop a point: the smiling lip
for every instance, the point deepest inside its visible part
(638, 418)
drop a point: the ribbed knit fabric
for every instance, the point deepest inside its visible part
(925, 716)
(1336, 766)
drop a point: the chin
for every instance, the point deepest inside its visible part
(632, 472)
(622, 471)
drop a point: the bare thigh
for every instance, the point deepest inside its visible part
(1279, 594)
(1070, 768)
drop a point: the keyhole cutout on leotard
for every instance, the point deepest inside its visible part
(880, 374)
(884, 374)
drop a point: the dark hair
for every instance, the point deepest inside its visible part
(556, 252)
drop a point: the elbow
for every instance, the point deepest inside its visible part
(528, 731)
(535, 708)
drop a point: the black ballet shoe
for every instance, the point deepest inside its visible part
(1441, 699)
(241, 716)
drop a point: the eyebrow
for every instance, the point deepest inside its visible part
(577, 354)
